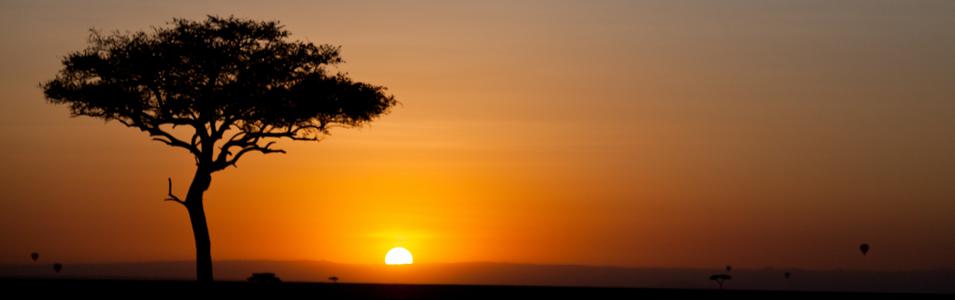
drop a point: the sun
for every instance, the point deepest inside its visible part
(398, 256)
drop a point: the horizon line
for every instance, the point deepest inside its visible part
(735, 268)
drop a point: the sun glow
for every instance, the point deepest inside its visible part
(398, 256)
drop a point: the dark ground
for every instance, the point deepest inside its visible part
(24, 288)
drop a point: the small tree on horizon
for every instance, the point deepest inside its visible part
(234, 86)
(720, 279)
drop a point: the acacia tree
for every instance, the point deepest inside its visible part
(720, 279)
(219, 88)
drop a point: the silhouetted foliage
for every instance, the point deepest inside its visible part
(864, 248)
(57, 267)
(219, 88)
(264, 278)
(720, 279)
(35, 256)
(333, 279)
(729, 268)
(787, 275)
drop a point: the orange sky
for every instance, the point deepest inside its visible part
(663, 133)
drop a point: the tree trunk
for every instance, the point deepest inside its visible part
(200, 231)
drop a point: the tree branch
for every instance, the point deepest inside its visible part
(247, 139)
(225, 163)
(162, 136)
(173, 197)
(226, 124)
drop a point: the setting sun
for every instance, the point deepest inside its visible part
(398, 256)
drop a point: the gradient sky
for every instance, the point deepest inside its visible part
(624, 133)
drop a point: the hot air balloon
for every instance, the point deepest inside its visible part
(787, 275)
(864, 248)
(35, 256)
(57, 267)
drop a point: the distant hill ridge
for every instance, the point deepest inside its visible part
(934, 281)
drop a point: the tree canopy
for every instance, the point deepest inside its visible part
(241, 82)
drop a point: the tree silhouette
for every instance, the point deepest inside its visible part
(264, 278)
(720, 279)
(219, 88)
